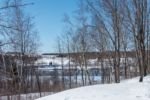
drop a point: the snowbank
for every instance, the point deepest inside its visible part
(126, 90)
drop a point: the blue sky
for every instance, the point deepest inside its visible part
(48, 19)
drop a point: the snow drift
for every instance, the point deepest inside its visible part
(126, 90)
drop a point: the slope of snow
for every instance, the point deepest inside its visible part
(126, 90)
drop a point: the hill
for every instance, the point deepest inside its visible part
(126, 90)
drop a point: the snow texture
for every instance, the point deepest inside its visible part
(126, 90)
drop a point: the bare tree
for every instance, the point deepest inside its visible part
(108, 14)
(22, 39)
(138, 15)
(68, 36)
(61, 51)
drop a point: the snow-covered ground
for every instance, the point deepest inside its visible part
(29, 96)
(126, 90)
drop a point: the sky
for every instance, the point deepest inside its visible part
(48, 20)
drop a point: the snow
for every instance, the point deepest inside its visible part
(55, 61)
(29, 96)
(126, 90)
